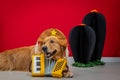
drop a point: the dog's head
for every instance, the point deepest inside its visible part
(53, 46)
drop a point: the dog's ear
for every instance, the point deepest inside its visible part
(62, 42)
(63, 49)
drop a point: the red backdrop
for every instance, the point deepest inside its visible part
(22, 21)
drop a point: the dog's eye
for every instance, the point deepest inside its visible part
(51, 41)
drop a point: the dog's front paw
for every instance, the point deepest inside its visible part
(68, 74)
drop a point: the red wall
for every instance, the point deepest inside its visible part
(22, 21)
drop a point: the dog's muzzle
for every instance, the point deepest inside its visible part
(48, 54)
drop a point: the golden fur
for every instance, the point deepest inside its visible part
(16, 59)
(20, 58)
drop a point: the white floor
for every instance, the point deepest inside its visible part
(110, 71)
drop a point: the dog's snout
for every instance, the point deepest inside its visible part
(44, 48)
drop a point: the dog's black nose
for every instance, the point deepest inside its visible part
(44, 48)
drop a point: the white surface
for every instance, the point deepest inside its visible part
(111, 59)
(110, 71)
(104, 59)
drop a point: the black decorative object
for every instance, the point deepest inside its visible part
(97, 21)
(82, 40)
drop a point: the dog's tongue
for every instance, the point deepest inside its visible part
(47, 55)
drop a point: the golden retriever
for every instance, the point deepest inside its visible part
(53, 46)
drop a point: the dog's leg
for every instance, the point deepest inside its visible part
(67, 73)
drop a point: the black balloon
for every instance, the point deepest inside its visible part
(97, 21)
(82, 40)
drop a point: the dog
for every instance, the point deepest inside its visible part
(53, 46)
